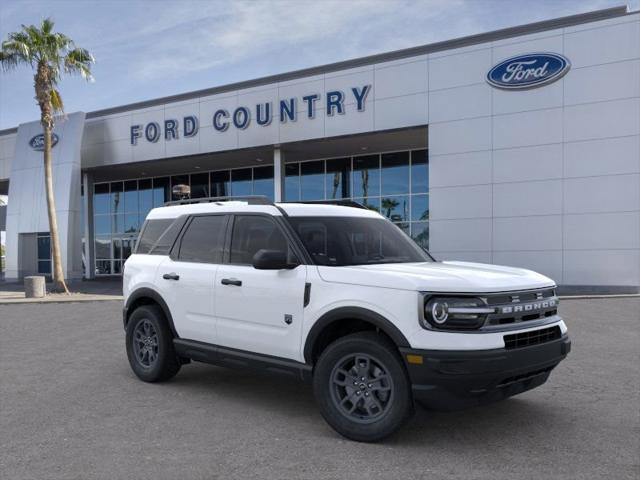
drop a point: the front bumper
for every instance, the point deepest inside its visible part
(449, 380)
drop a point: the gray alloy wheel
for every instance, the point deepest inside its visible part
(145, 343)
(361, 387)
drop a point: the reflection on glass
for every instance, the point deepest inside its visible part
(103, 267)
(370, 203)
(131, 196)
(241, 182)
(419, 171)
(395, 173)
(312, 180)
(292, 182)
(420, 207)
(199, 185)
(420, 234)
(263, 181)
(220, 184)
(366, 176)
(338, 178)
(117, 247)
(103, 247)
(117, 223)
(145, 196)
(127, 247)
(101, 198)
(117, 198)
(102, 224)
(160, 191)
(403, 226)
(396, 208)
(117, 268)
(179, 180)
(131, 224)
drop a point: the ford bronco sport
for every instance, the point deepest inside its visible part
(338, 296)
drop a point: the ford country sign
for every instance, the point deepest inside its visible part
(528, 71)
(37, 142)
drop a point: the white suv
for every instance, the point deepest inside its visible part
(339, 296)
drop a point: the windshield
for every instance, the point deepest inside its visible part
(340, 241)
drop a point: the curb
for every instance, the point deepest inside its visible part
(101, 298)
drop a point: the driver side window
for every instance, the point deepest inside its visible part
(252, 233)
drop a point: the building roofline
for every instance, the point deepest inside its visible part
(494, 35)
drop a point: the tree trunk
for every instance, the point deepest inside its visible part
(59, 284)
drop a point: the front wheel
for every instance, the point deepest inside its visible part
(150, 345)
(362, 387)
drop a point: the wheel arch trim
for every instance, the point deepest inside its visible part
(145, 292)
(352, 313)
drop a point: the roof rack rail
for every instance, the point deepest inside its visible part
(250, 199)
(342, 203)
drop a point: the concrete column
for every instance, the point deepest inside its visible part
(278, 174)
(89, 254)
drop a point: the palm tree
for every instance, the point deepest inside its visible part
(50, 55)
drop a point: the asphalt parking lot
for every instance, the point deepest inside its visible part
(70, 408)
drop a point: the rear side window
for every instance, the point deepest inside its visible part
(152, 231)
(203, 241)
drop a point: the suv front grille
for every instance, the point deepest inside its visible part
(534, 337)
(516, 307)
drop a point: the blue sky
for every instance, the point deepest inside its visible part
(149, 49)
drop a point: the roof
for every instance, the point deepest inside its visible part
(371, 59)
(292, 209)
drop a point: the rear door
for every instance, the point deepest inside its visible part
(187, 276)
(259, 310)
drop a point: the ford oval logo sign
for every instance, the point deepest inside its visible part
(528, 71)
(37, 142)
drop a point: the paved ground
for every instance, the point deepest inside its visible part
(71, 409)
(80, 291)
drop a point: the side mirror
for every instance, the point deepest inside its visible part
(272, 260)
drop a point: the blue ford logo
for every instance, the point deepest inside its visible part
(528, 71)
(37, 142)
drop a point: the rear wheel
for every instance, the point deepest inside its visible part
(150, 345)
(362, 388)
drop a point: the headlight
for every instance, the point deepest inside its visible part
(455, 313)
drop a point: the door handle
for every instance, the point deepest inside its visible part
(171, 276)
(231, 281)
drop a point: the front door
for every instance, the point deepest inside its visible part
(259, 310)
(187, 279)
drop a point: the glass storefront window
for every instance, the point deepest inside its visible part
(366, 176)
(420, 233)
(160, 191)
(220, 184)
(145, 196)
(263, 181)
(338, 178)
(117, 197)
(394, 184)
(312, 180)
(292, 182)
(101, 198)
(396, 208)
(419, 207)
(419, 171)
(241, 182)
(199, 185)
(395, 173)
(131, 203)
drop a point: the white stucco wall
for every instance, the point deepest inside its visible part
(547, 178)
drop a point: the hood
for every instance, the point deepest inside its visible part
(459, 277)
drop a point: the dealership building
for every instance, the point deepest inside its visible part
(516, 147)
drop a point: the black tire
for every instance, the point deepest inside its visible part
(150, 345)
(388, 403)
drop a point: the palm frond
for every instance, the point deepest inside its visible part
(79, 61)
(56, 101)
